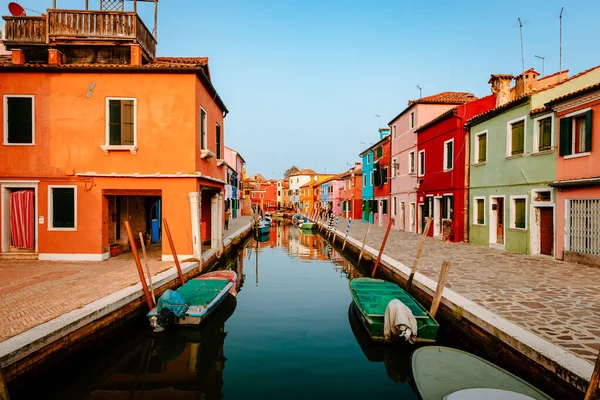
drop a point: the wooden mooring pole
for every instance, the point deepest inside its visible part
(439, 290)
(3, 389)
(138, 264)
(416, 262)
(593, 391)
(334, 230)
(147, 267)
(168, 232)
(362, 249)
(346, 237)
(387, 233)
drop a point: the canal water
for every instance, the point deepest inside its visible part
(291, 333)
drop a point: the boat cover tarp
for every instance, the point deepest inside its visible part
(201, 292)
(173, 301)
(399, 322)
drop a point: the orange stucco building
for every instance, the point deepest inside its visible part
(103, 135)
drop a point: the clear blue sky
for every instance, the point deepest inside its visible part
(304, 79)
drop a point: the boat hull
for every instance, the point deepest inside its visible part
(262, 230)
(371, 297)
(308, 226)
(440, 371)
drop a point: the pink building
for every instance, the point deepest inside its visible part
(578, 176)
(331, 193)
(405, 164)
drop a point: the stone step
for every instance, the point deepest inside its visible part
(19, 256)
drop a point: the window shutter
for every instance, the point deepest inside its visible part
(19, 120)
(588, 131)
(482, 148)
(565, 137)
(114, 109)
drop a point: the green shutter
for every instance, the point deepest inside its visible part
(588, 131)
(565, 137)
(114, 110)
(482, 148)
(518, 133)
(480, 211)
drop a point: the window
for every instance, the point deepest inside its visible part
(542, 134)
(279, 193)
(447, 207)
(576, 133)
(394, 131)
(516, 137)
(120, 122)
(262, 195)
(364, 180)
(581, 226)
(411, 162)
(412, 120)
(542, 196)
(481, 147)
(384, 205)
(253, 195)
(62, 208)
(18, 120)
(368, 158)
(384, 176)
(379, 151)
(203, 129)
(371, 178)
(479, 211)
(218, 134)
(421, 162)
(448, 155)
(518, 212)
(394, 166)
(394, 209)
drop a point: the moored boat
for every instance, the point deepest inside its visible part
(278, 214)
(372, 297)
(263, 228)
(446, 373)
(308, 226)
(193, 302)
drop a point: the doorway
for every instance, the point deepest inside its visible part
(437, 217)
(19, 218)
(497, 221)
(546, 230)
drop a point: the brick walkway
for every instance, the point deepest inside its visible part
(556, 300)
(34, 292)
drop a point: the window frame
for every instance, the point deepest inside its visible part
(536, 134)
(369, 158)
(364, 180)
(476, 210)
(446, 155)
(218, 141)
(107, 146)
(394, 131)
(421, 165)
(509, 136)
(412, 163)
(411, 120)
(570, 116)
(476, 150)
(513, 209)
(50, 226)
(26, 96)
(371, 178)
(394, 165)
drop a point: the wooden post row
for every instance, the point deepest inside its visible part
(387, 233)
(138, 264)
(416, 262)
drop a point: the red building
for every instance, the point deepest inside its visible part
(351, 193)
(381, 178)
(443, 187)
(264, 195)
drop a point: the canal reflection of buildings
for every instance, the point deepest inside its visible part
(181, 364)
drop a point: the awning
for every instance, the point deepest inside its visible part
(576, 183)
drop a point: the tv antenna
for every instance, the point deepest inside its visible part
(521, 34)
(542, 58)
(560, 43)
(420, 91)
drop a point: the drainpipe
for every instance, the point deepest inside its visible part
(466, 218)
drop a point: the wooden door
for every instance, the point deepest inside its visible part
(500, 221)
(546, 230)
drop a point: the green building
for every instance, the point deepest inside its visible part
(513, 151)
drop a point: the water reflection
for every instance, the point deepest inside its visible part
(181, 363)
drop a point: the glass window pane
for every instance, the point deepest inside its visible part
(480, 211)
(545, 133)
(520, 213)
(482, 141)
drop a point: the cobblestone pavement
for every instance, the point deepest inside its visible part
(34, 292)
(556, 300)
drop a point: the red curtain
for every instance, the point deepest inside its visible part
(21, 219)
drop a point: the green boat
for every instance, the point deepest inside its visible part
(446, 373)
(308, 226)
(372, 296)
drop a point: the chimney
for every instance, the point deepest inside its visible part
(526, 82)
(501, 88)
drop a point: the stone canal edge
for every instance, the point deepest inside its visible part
(18, 354)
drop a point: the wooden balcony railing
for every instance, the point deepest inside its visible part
(25, 30)
(72, 26)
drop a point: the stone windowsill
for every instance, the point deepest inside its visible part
(206, 154)
(543, 152)
(512, 157)
(479, 164)
(108, 148)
